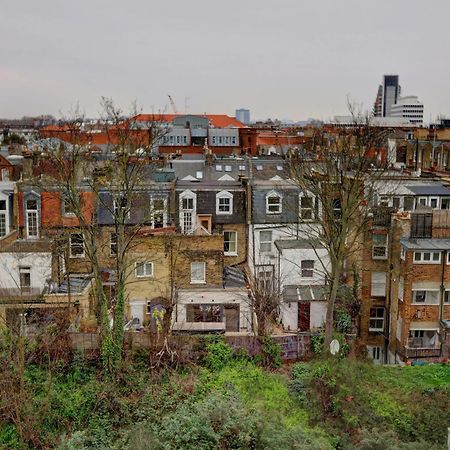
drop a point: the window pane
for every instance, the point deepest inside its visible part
(229, 241)
(76, 244)
(197, 271)
(31, 204)
(2, 224)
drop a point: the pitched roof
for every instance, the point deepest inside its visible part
(217, 120)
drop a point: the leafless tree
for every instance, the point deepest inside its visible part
(81, 175)
(337, 179)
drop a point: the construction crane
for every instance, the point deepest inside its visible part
(172, 103)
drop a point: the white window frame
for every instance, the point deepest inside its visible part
(305, 270)
(420, 203)
(230, 253)
(155, 212)
(198, 280)
(274, 194)
(419, 257)
(427, 297)
(34, 213)
(265, 242)
(377, 318)
(228, 168)
(148, 269)
(430, 199)
(188, 194)
(199, 174)
(375, 289)
(385, 246)
(78, 255)
(66, 213)
(112, 244)
(224, 195)
(116, 208)
(314, 208)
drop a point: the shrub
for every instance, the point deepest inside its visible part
(343, 321)
(218, 355)
(271, 353)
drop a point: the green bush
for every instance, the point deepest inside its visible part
(271, 353)
(343, 321)
(218, 355)
(219, 421)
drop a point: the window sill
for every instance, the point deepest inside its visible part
(222, 213)
(77, 256)
(425, 304)
(144, 276)
(430, 263)
(274, 213)
(380, 258)
(229, 254)
(198, 282)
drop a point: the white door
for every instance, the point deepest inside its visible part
(137, 311)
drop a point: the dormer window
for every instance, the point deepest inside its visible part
(308, 208)
(273, 203)
(187, 207)
(31, 218)
(121, 209)
(224, 203)
(158, 213)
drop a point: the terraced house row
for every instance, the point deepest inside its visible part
(209, 223)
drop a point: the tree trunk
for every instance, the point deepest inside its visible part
(329, 323)
(118, 332)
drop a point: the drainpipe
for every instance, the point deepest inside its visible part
(387, 333)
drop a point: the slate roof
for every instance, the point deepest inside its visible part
(426, 244)
(431, 189)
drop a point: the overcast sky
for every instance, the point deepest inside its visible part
(286, 59)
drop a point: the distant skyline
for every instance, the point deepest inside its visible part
(280, 59)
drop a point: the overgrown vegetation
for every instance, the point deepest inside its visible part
(229, 401)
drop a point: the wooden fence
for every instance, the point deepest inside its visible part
(293, 346)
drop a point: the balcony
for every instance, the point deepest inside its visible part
(419, 348)
(419, 353)
(382, 216)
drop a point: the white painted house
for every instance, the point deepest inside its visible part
(301, 270)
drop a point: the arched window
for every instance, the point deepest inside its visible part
(224, 203)
(273, 203)
(188, 205)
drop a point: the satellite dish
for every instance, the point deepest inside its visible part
(334, 346)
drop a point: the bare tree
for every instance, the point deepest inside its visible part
(83, 177)
(337, 179)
